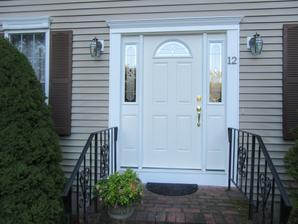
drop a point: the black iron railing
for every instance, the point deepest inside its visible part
(97, 161)
(252, 171)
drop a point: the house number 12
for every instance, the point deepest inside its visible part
(232, 60)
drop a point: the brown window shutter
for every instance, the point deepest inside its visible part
(61, 80)
(1, 35)
(290, 79)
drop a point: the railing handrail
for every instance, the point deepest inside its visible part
(278, 182)
(70, 181)
(262, 148)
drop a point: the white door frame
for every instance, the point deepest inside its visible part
(229, 25)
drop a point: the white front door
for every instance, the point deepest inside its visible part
(166, 79)
(162, 142)
(173, 80)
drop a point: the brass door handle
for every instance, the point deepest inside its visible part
(199, 109)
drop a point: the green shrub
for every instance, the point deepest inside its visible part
(120, 189)
(31, 179)
(291, 163)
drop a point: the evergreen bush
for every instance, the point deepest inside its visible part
(31, 179)
(291, 163)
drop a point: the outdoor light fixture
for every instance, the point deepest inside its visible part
(255, 44)
(96, 47)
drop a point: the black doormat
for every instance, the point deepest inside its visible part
(172, 189)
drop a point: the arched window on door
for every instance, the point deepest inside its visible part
(172, 49)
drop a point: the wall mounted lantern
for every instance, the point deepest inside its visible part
(255, 44)
(96, 47)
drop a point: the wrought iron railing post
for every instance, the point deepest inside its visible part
(272, 200)
(90, 174)
(100, 155)
(78, 198)
(67, 201)
(251, 191)
(115, 148)
(230, 156)
(284, 212)
(96, 166)
(84, 190)
(107, 154)
(237, 157)
(282, 215)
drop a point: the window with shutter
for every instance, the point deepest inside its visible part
(50, 54)
(61, 80)
(1, 35)
(290, 79)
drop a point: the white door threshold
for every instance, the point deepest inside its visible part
(207, 178)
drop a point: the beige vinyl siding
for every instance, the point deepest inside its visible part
(261, 77)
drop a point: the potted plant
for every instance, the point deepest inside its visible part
(119, 192)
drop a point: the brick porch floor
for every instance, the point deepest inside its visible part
(212, 205)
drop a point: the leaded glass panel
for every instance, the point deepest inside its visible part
(130, 72)
(215, 71)
(172, 49)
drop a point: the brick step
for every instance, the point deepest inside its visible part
(214, 205)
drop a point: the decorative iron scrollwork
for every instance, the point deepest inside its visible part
(104, 161)
(84, 179)
(265, 185)
(242, 155)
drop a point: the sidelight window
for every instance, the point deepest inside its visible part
(215, 71)
(130, 72)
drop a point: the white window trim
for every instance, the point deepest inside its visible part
(32, 25)
(25, 23)
(229, 25)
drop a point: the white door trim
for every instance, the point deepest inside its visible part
(174, 24)
(230, 25)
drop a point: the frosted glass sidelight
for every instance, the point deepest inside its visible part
(172, 49)
(215, 71)
(130, 72)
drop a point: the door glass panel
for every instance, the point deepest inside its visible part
(130, 72)
(215, 71)
(172, 49)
